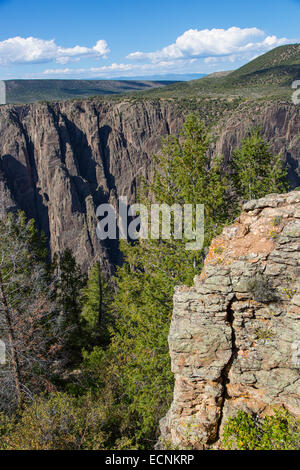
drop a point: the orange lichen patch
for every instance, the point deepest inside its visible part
(183, 288)
(242, 241)
(241, 390)
(217, 247)
(244, 246)
(244, 353)
(217, 253)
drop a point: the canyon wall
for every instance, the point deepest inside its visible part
(59, 161)
(280, 124)
(235, 334)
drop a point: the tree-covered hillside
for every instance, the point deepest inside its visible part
(29, 91)
(269, 74)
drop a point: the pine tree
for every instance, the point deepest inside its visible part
(69, 284)
(138, 357)
(255, 170)
(186, 174)
(96, 304)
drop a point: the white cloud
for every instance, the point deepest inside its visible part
(195, 51)
(114, 68)
(32, 50)
(213, 42)
(229, 59)
(101, 47)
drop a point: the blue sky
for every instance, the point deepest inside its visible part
(95, 38)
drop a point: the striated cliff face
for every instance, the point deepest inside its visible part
(280, 123)
(58, 162)
(235, 335)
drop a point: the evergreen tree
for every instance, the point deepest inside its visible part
(137, 363)
(186, 174)
(96, 304)
(70, 281)
(135, 369)
(255, 170)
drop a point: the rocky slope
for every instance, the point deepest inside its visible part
(58, 162)
(235, 335)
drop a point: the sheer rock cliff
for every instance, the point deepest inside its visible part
(58, 162)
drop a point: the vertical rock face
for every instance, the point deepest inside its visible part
(281, 127)
(235, 335)
(59, 162)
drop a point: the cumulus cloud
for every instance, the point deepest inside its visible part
(32, 50)
(195, 51)
(213, 43)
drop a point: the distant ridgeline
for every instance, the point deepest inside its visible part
(29, 91)
(2, 92)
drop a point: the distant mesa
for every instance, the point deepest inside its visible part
(29, 91)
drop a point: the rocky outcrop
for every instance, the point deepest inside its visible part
(59, 161)
(235, 335)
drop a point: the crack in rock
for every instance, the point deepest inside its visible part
(224, 377)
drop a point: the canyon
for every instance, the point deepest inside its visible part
(234, 336)
(59, 161)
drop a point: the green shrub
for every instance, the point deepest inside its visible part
(280, 431)
(5, 428)
(60, 422)
(264, 333)
(262, 289)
